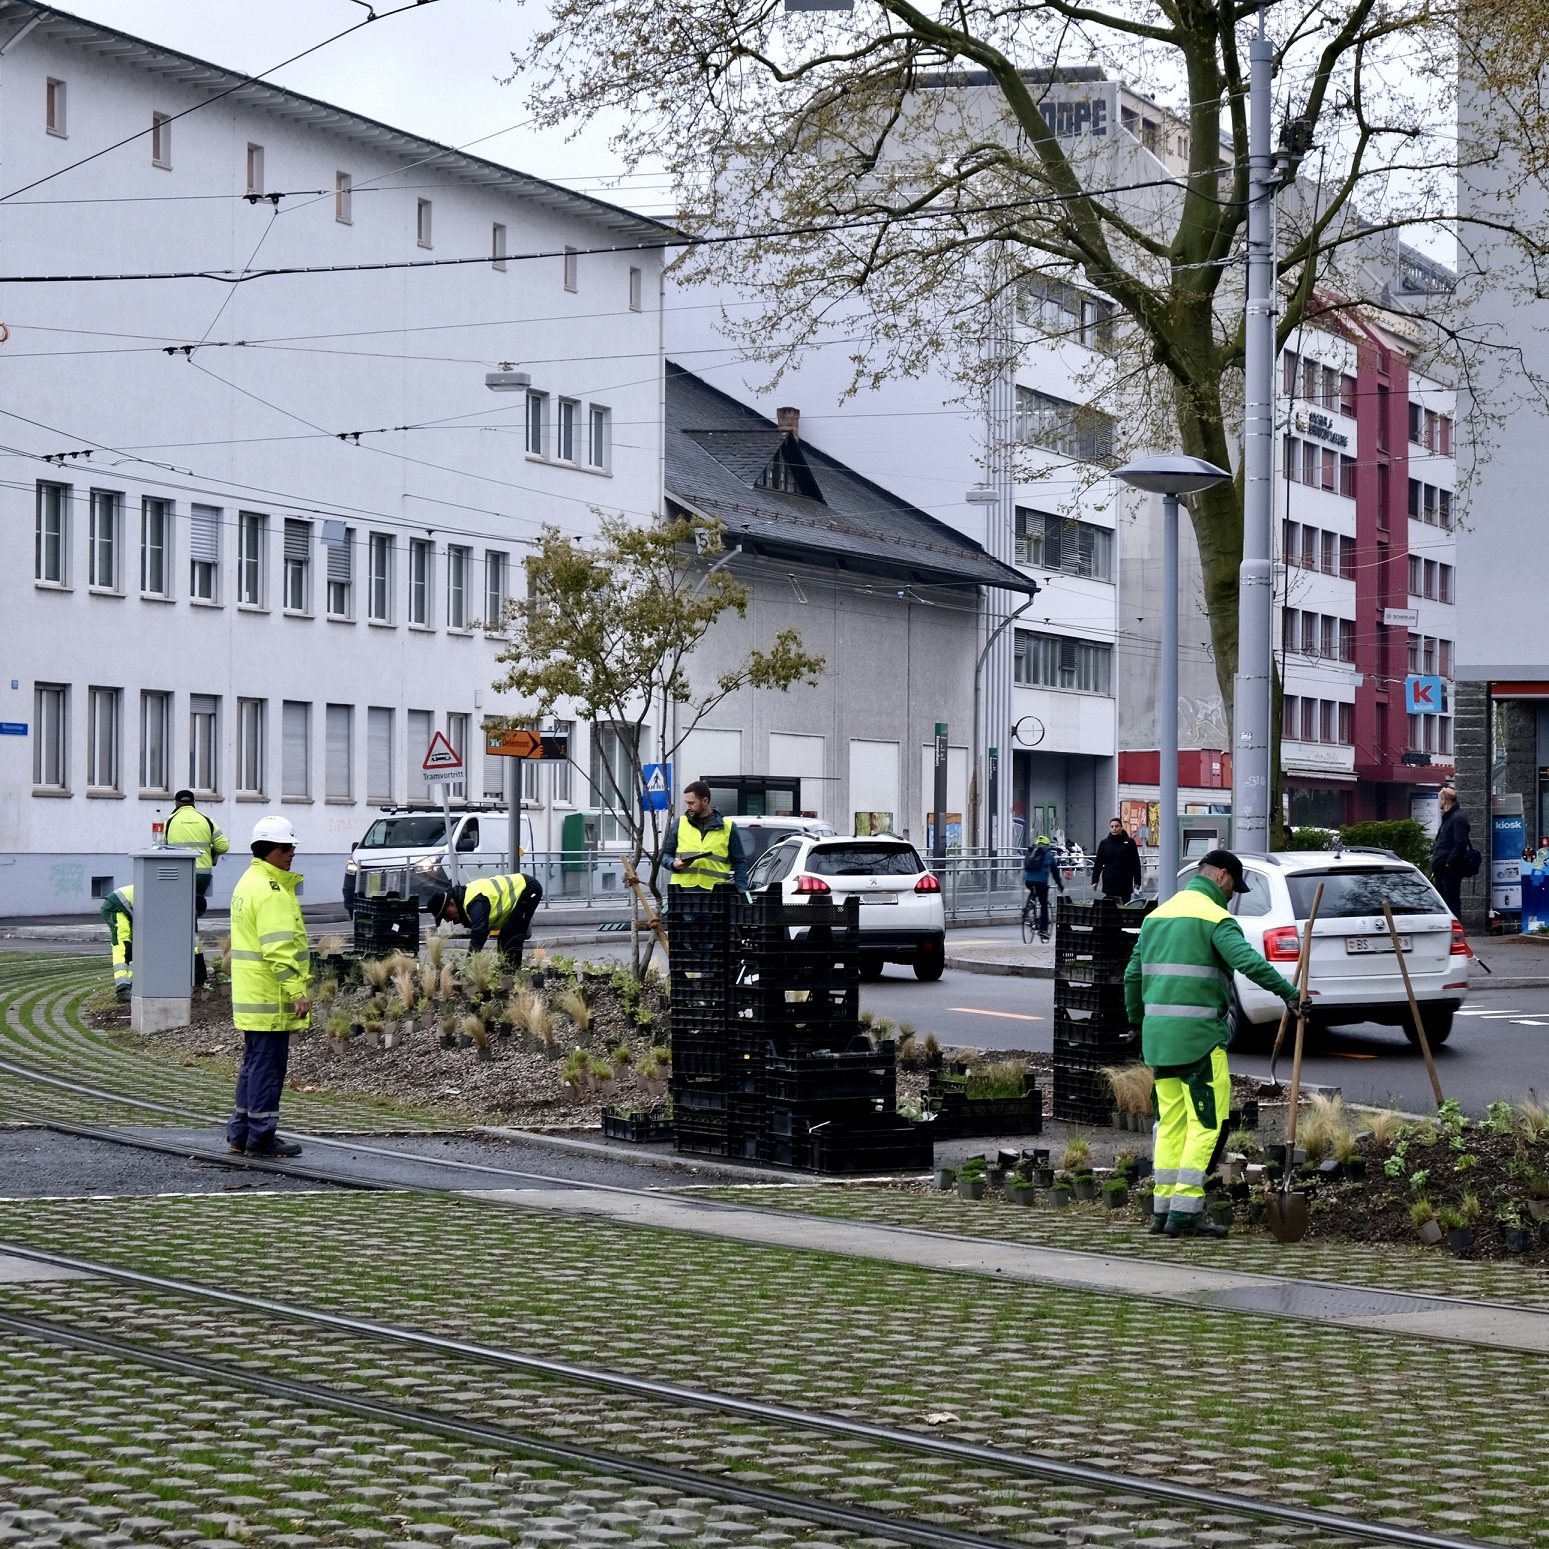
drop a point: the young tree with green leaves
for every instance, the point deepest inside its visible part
(607, 634)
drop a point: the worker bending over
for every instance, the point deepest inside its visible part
(118, 911)
(501, 907)
(1177, 987)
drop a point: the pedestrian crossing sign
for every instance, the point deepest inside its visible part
(656, 787)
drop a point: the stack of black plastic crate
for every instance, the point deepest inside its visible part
(1093, 942)
(387, 925)
(698, 926)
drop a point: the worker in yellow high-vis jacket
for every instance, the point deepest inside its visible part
(703, 849)
(501, 907)
(190, 829)
(118, 911)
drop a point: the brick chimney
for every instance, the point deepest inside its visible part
(789, 421)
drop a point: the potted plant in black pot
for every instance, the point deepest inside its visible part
(970, 1179)
(1457, 1227)
(1515, 1231)
(946, 1179)
(1222, 1212)
(1422, 1216)
(1020, 1191)
(1060, 1193)
(1116, 1193)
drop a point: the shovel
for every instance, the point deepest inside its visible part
(1272, 1087)
(1288, 1211)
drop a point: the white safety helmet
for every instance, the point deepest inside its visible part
(273, 830)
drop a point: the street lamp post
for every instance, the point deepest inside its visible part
(1170, 476)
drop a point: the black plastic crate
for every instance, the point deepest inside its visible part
(883, 1143)
(968, 1116)
(798, 1119)
(1082, 1097)
(386, 925)
(1084, 1057)
(1093, 1028)
(638, 1128)
(794, 966)
(793, 1074)
(695, 1055)
(765, 922)
(1106, 917)
(1104, 999)
(796, 1007)
(701, 1135)
(785, 1151)
(698, 1094)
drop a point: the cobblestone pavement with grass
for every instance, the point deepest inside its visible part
(1372, 1424)
(1093, 1228)
(44, 996)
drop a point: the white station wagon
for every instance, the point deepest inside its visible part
(1354, 976)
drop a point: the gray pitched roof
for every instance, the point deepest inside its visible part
(717, 449)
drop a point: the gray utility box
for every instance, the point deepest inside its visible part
(163, 940)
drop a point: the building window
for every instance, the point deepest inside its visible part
(161, 140)
(422, 222)
(1414, 655)
(155, 547)
(1444, 508)
(380, 580)
(537, 417)
(1309, 726)
(252, 536)
(296, 749)
(155, 741)
(1444, 658)
(1061, 311)
(1325, 720)
(1056, 543)
(532, 782)
(1309, 548)
(422, 727)
(51, 538)
(1347, 476)
(562, 772)
(457, 735)
(1443, 583)
(379, 754)
(497, 247)
(50, 742)
(1415, 575)
(1347, 396)
(204, 749)
(459, 562)
(565, 431)
(339, 545)
(419, 582)
(1059, 661)
(298, 566)
(1444, 437)
(343, 201)
(54, 109)
(494, 778)
(255, 169)
(1347, 640)
(1429, 576)
(597, 437)
(571, 257)
(1346, 725)
(1347, 559)
(102, 540)
(1070, 429)
(496, 583)
(104, 709)
(1444, 734)
(612, 744)
(250, 747)
(338, 752)
(1328, 558)
(204, 553)
(634, 290)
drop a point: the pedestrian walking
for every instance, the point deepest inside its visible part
(703, 849)
(270, 972)
(190, 829)
(1039, 865)
(498, 906)
(1452, 853)
(1116, 870)
(1177, 988)
(118, 911)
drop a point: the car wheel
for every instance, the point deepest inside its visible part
(1438, 1026)
(929, 966)
(871, 966)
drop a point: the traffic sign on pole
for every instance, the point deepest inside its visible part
(443, 764)
(546, 747)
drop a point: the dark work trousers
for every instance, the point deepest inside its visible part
(1449, 883)
(1123, 897)
(259, 1084)
(512, 939)
(1040, 892)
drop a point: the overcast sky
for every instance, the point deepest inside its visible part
(433, 70)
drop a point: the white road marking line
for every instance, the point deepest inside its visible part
(1515, 1011)
(1015, 1016)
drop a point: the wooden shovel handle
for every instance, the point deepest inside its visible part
(1414, 1005)
(1303, 973)
(1299, 979)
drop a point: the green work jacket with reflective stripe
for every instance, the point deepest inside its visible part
(119, 901)
(1179, 979)
(270, 963)
(190, 829)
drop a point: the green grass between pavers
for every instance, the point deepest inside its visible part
(42, 1028)
(1094, 1228)
(1363, 1420)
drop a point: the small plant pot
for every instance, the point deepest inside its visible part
(1330, 1169)
(1086, 1188)
(338, 1045)
(1258, 1211)
(995, 1177)
(1059, 1195)
(1543, 1232)
(1241, 1192)
(1250, 1114)
(1022, 1194)
(1040, 1156)
(1043, 1177)
(1460, 1239)
(356, 1029)
(485, 1053)
(539, 978)
(1355, 1169)
(1223, 1213)
(1517, 1238)
(503, 1029)
(1116, 1199)
(970, 1188)
(1430, 1233)
(391, 1040)
(1230, 1173)
(1538, 1209)
(1120, 1119)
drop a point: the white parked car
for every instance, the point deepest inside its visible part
(1354, 976)
(902, 918)
(404, 852)
(761, 834)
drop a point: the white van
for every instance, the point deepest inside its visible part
(404, 852)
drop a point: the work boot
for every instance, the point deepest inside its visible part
(1181, 1223)
(1159, 1220)
(275, 1147)
(122, 991)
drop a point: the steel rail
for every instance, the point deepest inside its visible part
(873, 1524)
(1035, 1464)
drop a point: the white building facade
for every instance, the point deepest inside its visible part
(255, 523)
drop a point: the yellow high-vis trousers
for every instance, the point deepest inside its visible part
(1191, 1107)
(122, 934)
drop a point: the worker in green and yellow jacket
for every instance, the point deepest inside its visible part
(501, 907)
(1178, 986)
(190, 829)
(118, 912)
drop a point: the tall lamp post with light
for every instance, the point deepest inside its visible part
(1170, 476)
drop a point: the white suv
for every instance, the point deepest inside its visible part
(902, 918)
(1353, 975)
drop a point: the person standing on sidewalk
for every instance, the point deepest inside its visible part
(1177, 987)
(1039, 865)
(1450, 852)
(1116, 869)
(271, 969)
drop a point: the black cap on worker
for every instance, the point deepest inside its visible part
(1225, 861)
(183, 799)
(435, 905)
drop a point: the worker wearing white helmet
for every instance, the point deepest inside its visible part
(270, 972)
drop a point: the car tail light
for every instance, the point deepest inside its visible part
(1283, 944)
(927, 884)
(1460, 946)
(806, 884)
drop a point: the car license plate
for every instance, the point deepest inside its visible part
(1378, 943)
(879, 898)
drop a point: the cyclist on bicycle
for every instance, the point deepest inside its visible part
(1040, 864)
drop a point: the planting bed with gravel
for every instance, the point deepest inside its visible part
(1372, 1423)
